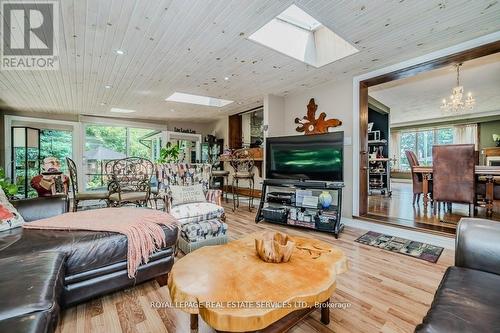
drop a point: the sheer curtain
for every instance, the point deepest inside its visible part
(465, 134)
(395, 148)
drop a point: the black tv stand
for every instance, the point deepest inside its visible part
(298, 214)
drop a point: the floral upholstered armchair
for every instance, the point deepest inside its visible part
(201, 215)
(186, 174)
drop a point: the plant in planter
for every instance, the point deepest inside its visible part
(9, 188)
(169, 154)
(496, 138)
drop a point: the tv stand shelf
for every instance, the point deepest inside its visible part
(289, 212)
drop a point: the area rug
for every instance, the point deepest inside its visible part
(400, 245)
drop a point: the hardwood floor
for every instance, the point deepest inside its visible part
(383, 291)
(399, 209)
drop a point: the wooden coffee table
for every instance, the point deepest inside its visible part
(235, 291)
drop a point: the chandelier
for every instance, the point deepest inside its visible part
(457, 103)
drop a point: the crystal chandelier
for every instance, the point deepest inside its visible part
(456, 102)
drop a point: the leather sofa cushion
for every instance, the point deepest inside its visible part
(85, 250)
(39, 322)
(31, 283)
(466, 301)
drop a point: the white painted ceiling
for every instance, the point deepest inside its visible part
(191, 45)
(419, 98)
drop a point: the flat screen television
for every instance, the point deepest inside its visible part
(306, 157)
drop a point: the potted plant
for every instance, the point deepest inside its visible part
(9, 188)
(169, 154)
(496, 138)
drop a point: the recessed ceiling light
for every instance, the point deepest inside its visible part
(226, 78)
(103, 103)
(120, 52)
(172, 110)
(119, 110)
(108, 86)
(197, 99)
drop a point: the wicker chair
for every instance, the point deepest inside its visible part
(81, 196)
(131, 182)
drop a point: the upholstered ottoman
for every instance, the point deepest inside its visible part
(201, 223)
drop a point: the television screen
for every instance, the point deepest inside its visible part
(307, 157)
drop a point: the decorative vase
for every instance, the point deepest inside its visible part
(274, 247)
(325, 199)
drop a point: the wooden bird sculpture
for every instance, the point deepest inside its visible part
(310, 125)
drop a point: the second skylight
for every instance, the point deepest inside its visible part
(198, 99)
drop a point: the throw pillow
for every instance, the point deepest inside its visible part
(187, 194)
(9, 216)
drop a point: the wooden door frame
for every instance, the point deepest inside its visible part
(477, 48)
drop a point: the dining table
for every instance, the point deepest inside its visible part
(486, 172)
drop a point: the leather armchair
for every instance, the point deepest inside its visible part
(478, 245)
(454, 180)
(468, 297)
(417, 180)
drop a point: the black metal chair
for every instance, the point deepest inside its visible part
(131, 182)
(78, 195)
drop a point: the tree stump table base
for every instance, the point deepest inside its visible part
(285, 323)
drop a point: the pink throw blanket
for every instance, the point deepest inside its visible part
(141, 226)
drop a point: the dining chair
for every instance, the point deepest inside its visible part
(78, 195)
(242, 162)
(223, 175)
(417, 180)
(131, 182)
(454, 181)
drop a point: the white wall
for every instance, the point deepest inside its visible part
(274, 114)
(200, 128)
(335, 99)
(221, 130)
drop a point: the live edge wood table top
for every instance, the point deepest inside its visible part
(233, 290)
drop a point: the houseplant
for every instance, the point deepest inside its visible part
(9, 188)
(496, 138)
(169, 154)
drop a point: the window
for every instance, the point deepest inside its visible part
(56, 143)
(104, 144)
(421, 142)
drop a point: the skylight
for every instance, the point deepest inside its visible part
(299, 35)
(120, 110)
(197, 99)
(296, 16)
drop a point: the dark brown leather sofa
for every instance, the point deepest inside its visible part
(468, 298)
(46, 269)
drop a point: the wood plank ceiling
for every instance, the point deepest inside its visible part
(192, 45)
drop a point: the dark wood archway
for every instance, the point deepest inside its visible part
(448, 60)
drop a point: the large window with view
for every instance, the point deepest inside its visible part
(105, 144)
(421, 142)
